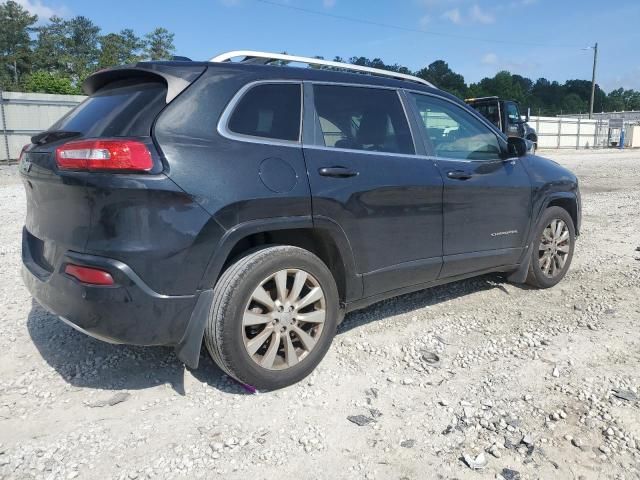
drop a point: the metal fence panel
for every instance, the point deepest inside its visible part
(567, 132)
(25, 114)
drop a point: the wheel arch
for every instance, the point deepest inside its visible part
(568, 203)
(322, 237)
(566, 200)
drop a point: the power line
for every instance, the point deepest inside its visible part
(407, 29)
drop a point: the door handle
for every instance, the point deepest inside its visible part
(459, 175)
(337, 172)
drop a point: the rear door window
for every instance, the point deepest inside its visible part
(269, 111)
(123, 108)
(362, 118)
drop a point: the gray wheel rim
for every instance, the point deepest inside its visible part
(554, 248)
(284, 319)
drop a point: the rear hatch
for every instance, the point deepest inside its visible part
(113, 124)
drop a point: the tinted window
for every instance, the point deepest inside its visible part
(513, 113)
(361, 118)
(123, 108)
(269, 111)
(454, 132)
(490, 111)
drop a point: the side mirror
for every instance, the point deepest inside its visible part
(516, 147)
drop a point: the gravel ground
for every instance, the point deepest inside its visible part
(480, 373)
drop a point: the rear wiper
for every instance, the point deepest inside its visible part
(52, 136)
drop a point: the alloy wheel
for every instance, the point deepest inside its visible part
(554, 248)
(284, 319)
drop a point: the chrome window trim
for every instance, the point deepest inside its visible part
(377, 152)
(223, 122)
(366, 152)
(473, 114)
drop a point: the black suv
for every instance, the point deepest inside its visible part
(253, 205)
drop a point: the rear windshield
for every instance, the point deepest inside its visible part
(123, 108)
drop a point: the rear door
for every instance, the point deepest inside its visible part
(487, 197)
(365, 177)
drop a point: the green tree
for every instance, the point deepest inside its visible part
(81, 47)
(443, 77)
(15, 42)
(621, 99)
(573, 103)
(50, 49)
(120, 49)
(45, 82)
(67, 47)
(160, 44)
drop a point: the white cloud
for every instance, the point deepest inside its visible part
(328, 3)
(453, 15)
(44, 12)
(476, 14)
(489, 59)
(424, 21)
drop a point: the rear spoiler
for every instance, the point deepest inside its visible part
(177, 76)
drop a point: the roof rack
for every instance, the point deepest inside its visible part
(251, 55)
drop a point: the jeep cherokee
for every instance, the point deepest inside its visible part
(251, 206)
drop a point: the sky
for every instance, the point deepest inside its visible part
(534, 38)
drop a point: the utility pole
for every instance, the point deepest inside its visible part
(593, 79)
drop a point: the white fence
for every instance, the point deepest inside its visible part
(566, 132)
(25, 114)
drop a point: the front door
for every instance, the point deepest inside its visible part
(365, 176)
(486, 198)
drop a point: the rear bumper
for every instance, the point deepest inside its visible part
(128, 312)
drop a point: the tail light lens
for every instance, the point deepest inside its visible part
(24, 149)
(108, 155)
(90, 275)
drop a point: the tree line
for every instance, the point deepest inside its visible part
(543, 96)
(55, 57)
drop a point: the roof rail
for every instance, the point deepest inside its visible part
(251, 54)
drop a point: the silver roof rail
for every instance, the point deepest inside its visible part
(248, 54)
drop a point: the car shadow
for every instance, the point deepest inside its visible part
(83, 361)
(422, 298)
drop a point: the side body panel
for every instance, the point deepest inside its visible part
(247, 187)
(390, 209)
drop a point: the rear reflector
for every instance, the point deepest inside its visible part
(96, 155)
(92, 276)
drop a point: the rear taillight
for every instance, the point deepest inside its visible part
(111, 155)
(22, 152)
(90, 275)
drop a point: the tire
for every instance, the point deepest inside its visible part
(550, 260)
(241, 317)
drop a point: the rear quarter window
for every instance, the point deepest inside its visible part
(269, 111)
(122, 108)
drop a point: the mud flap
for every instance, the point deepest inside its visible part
(520, 275)
(188, 348)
